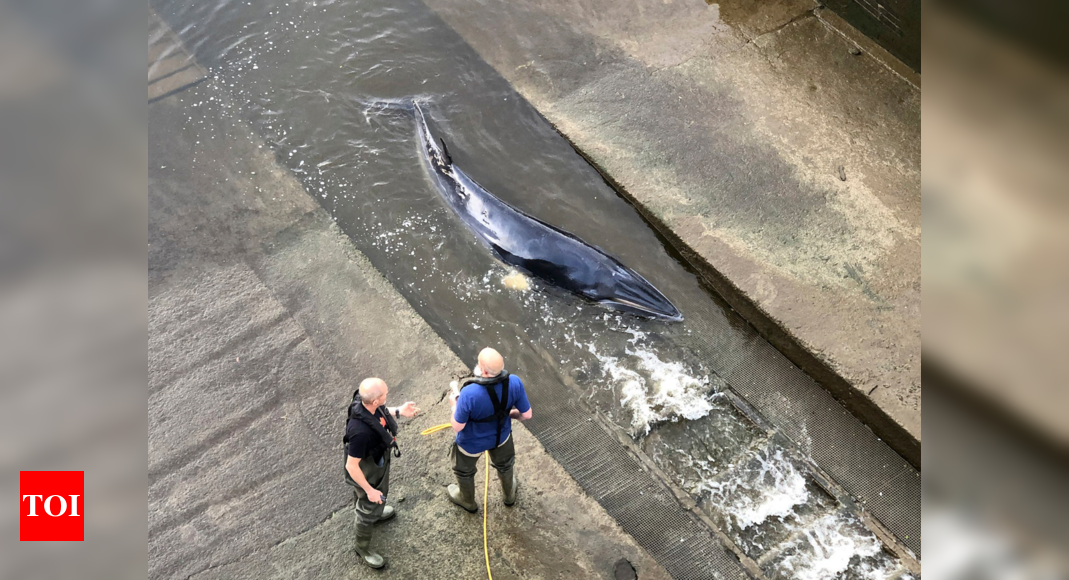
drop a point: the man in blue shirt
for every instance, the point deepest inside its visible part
(482, 420)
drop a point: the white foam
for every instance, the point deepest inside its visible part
(770, 491)
(835, 540)
(675, 392)
(655, 390)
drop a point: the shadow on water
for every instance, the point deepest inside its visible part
(308, 75)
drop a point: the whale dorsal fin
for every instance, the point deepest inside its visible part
(445, 152)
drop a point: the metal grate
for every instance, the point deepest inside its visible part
(865, 467)
(643, 506)
(782, 394)
(837, 442)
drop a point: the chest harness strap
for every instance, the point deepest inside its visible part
(501, 406)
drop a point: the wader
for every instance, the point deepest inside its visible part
(466, 466)
(366, 513)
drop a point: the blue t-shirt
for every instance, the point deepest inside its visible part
(474, 403)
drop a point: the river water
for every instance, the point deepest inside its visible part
(313, 77)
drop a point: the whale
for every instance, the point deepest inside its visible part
(535, 247)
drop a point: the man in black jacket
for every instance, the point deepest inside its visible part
(369, 438)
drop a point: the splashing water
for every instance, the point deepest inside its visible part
(828, 547)
(654, 390)
(769, 488)
(675, 392)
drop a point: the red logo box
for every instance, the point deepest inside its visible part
(51, 506)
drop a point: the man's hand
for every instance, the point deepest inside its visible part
(516, 414)
(374, 495)
(409, 409)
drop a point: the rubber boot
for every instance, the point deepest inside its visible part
(508, 486)
(363, 548)
(387, 514)
(462, 493)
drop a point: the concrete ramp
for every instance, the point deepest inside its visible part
(262, 319)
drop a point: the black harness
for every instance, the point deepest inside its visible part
(501, 406)
(387, 435)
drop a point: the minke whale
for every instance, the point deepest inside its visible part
(535, 247)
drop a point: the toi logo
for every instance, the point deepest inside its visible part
(51, 506)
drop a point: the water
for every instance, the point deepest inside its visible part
(311, 77)
(650, 390)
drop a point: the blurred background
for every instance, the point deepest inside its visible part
(73, 281)
(996, 282)
(995, 266)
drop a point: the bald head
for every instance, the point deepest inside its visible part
(372, 389)
(490, 362)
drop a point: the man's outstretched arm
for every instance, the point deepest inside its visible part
(409, 409)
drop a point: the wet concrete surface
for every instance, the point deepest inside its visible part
(733, 126)
(262, 319)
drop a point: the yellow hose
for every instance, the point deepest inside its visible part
(486, 494)
(435, 429)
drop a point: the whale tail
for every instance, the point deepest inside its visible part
(436, 147)
(419, 112)
(403, 104)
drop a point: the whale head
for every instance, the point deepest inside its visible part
(629, 292)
